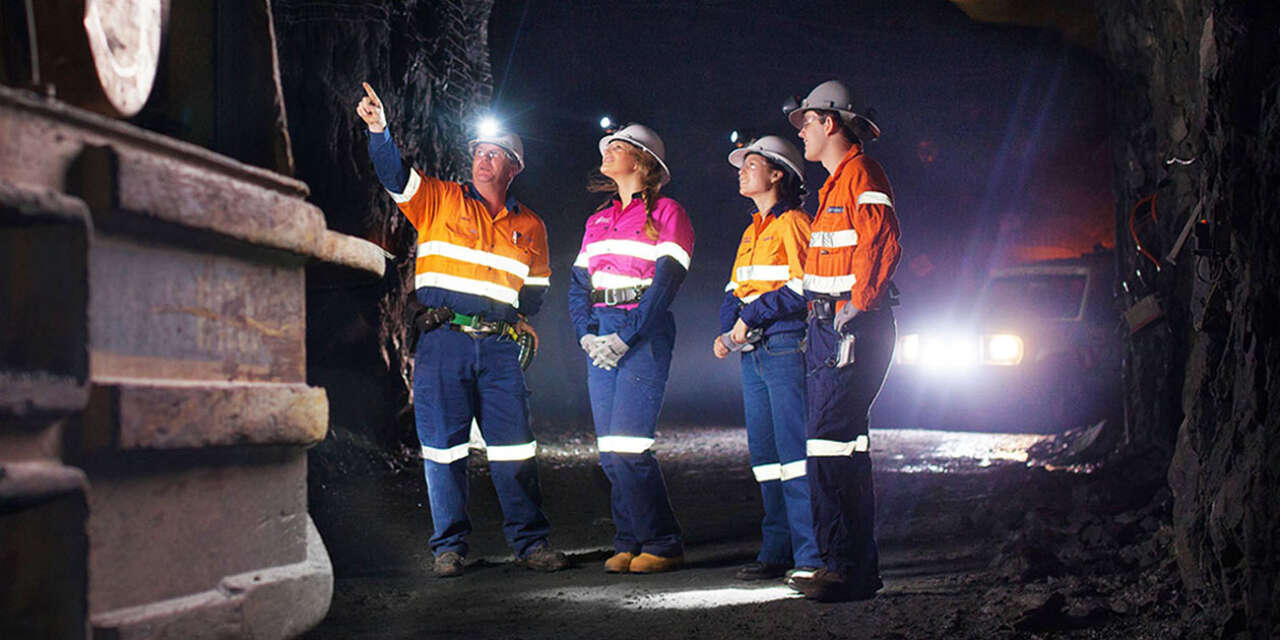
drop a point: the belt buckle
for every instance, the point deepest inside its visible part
(609, 298)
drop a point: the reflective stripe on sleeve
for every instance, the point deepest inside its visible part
(513, 452)
(410, 188)
(832, 448)
(538, 282)
(874, 197)
(467, 285)
(792, 470)
(730, 287)
(581, 260)
(771, 272)
(829, 284)
(623, 444)
(834, 239)
(673, 250)
(796, 285)
(446, 456)
(751, 298)
(767, 472)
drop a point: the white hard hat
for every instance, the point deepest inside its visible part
(508, 141)
(833, 96)
(642, 137)
(774, 148)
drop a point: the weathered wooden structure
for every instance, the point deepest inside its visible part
(154, 410)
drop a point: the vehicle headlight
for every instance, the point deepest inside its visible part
(909, 349)
(938, 352)
(1002, 349)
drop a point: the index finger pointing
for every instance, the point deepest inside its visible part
(369, 91)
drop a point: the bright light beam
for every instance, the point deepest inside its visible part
(488, 126)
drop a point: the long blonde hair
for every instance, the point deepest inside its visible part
(650, 182)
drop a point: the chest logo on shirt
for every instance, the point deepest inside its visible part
(602, 221)
(766, 238)
(835, 209)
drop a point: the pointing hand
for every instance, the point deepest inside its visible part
(370, 110)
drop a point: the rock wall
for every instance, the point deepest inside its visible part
(1195, 115)
(429, 63)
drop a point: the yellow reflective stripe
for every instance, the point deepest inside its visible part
(446, 456)
(815, 448)
(410, 188)
(538, 282)
(512, 452)
(633, 249)
(767, 472)
(874, 197)
(623, 444)
(770, 272)
(792, 470)
(796, 285)
(606, 280)
(474, 256)
(829, 284)
(491, 290)
(834, 239)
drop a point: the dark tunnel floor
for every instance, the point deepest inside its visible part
(947, 503)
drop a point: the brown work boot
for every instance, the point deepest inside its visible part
(619, 563)
(544, 559)
(829, 586)
(761, 571)
(649, 563)
(448, 565)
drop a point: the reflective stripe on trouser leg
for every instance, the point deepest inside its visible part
(773, 383)
(457, 377)
(841, 488)
(625, 403)
(503, 416)
(442, 378)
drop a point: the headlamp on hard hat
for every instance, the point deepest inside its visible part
(740, 138)
(609, 125)
(791, 104)
(488, 127)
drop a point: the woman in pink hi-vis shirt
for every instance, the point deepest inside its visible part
(635, 253)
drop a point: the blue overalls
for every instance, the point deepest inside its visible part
(478, 265)
(762, 292)
(626, 400)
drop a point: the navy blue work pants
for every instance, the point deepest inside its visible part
(838, 446)
(456, 377)
(625, 402)
(773, 395)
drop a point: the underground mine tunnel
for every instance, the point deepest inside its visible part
(207, 423)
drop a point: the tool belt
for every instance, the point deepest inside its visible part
(613, 297)
(477, 324)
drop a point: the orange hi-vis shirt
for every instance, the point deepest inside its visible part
(469, 261)
(853, 247)
(771, 255)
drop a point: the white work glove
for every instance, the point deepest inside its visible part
(370, 110)
(843, 316)
(588, 342)
(608, 351)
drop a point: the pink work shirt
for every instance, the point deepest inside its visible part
(617, 253)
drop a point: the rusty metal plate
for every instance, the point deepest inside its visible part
(168, 313)
(193, 416)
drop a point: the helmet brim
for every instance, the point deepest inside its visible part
(604, 143)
